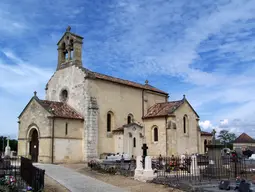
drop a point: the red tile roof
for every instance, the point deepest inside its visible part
(244, 138)
(204, 133)
(163, 109)
(60, 109)
(122, 81)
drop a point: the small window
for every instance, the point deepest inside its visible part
(155, 134)
(134, 142)
(130, 119)
(66, 131)
(64, 95)
(109, 122)
(185, 124)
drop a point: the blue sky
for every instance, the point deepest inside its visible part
(204, 49)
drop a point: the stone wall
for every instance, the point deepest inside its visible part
(155, 148)
(68, 147)
(186, 142)
(121, 100)
(35, 117)
(68, 150)
(73, 80)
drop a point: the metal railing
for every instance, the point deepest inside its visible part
(176, 169)
(32, 175)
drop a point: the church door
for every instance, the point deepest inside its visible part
(34, 146)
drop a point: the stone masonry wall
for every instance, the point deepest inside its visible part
(35, 117)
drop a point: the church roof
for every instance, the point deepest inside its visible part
(60, 109)
(123, 81)
(244, 138)
(166, 108)
(204, 133)
(163, 109)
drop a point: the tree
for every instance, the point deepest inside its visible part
(3, 142)
(226, 137)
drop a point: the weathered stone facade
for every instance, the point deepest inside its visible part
(94, 96)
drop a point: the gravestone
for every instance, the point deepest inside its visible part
(7, 152)
(148, 173)
(194, 169)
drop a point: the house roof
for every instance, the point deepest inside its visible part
(57, 109)
(60, 109)
(204, 133)
(104, 77)
(244, 138)
(163, 109)
(166, 108)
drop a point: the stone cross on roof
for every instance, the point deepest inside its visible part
(68, 29)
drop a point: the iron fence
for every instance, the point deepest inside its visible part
(10, 177)
(175, 170)
(32, 175)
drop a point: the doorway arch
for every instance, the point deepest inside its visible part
(205, 146)
(34, 144)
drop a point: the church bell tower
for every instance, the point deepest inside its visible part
(69, 50)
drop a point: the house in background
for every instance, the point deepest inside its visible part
(243, 142)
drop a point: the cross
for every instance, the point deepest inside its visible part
(68, 29)
(144, 148)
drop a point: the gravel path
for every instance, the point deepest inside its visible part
(76, 182)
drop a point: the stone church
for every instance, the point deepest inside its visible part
(86, 115)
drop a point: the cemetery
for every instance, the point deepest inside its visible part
(18, 173)
(216, 171)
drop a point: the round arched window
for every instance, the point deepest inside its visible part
(64, 95)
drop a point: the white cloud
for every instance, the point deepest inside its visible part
(22, 77)
(205, 125)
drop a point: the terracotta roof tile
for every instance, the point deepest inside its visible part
(122, 81)
(60, 109)
(244, 138)
(204, 133)
(163, 109)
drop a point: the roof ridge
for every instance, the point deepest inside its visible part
(123, 81)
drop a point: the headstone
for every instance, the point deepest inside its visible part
(139, 165)
(7, 152)
(139, 168)
(148, 173)
(194, 169)
(148, 163)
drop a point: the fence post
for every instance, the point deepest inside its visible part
(235, 159)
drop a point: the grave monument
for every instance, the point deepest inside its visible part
(7, 152)
(215, 168)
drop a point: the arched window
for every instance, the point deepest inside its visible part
(64, 95)
(134, 142)
(129, 119)
(185, 124)
(155, 134)
(109, 122)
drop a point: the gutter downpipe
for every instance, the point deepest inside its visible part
(52, 140)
